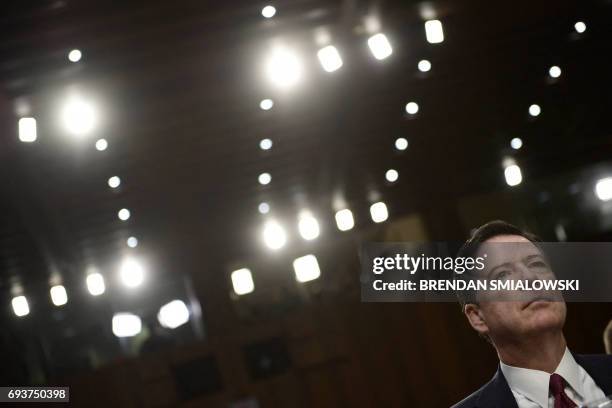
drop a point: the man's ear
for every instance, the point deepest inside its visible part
(474, 315)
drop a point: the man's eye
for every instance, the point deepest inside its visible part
(538, 264)
(503, 274)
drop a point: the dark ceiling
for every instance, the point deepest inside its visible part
(178, 86)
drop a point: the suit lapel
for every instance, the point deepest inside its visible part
(599, 368)
(497, 394)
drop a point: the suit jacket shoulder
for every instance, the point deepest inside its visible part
(471, 400)
(599, 367)
(494, 394)
(602, 360)
(497, 394)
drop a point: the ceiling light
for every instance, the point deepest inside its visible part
(131, 273)
(268, 11)
(126, 325)
(513, 175)
(242, 281)
(75, 55)
(132, 242)
(603, 189)
(266, 104)
(95, 284)
(79, 116)
(284, 68)
(391, 175)
(554, 71)
(434, 32)
(380, 46)
(274, 235)
(330, 59)
(263, 208)
(59, 297)
(401, 143)
(412, 108)
(379, 212)
(306, 268)
(424, 65)
(535, 110)
(27, 130)
(308, 226)
(101, 144)
(265, 144)
(20, 306)
(345, 220)
(264, 179)
(124, 214)
(516, 143)
(173, 314)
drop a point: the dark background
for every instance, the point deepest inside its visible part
(178, 86)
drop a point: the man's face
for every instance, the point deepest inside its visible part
(522, 314)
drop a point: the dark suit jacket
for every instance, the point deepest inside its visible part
(496, 393)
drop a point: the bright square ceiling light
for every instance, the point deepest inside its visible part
(379, 212)
(20, 306)
(306, 268)
(603, 189)
(330, 59)
(173, 314)
(434, 31)
(59, 297)
(380, 46)
(242, 281)
(345, 220)
(27, 130)
(126, 325)
(95, 284)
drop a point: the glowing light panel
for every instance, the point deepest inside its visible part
(95, 284)
(434, 31)
(306, 268)
(242, 281)
(380, 46)
(59, 297)
(173, 314)
(75, 55)
(126, 325)
(513, 175)
(274, 235)
(379, 212)
(345, 220)
(603, 189)
(20, 306)
(284, 68)
(330, 59)
(308, 227)
(131, 273)
(79, 116)
(27, 130)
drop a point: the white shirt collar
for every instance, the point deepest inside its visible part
(533, 384)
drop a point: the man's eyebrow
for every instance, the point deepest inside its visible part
(508, 264)
(532, 257)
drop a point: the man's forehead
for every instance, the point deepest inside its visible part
(507, 238)
(507, 248)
